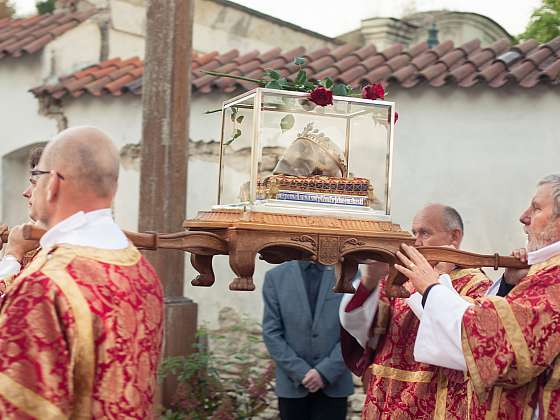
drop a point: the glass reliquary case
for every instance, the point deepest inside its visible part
(282, 153)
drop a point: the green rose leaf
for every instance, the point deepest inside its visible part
(340, 90)
(284, 83)
(327, 82)
(273, 74)
(301, 77)
(236, 134)
(299, 61)
(273, 84)
(308, 86)
(240, 119)
(233, 113)
(287, 122)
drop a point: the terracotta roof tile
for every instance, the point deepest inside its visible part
(525, 65)
(30, 35)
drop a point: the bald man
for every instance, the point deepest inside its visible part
(379, 332)
(81, 326)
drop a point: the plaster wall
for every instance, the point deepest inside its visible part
(70, 52)
(21, 124)
(480, 150)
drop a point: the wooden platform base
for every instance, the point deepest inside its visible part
(277, 238)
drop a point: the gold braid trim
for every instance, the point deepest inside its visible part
(401, 375)
(28, 401)
(527, 409)
(551, 262)
(495, 407)
(551, 385)
(441, 396)
(471, 364)
(478, 278)
(469, 398)
(83, 347)
(523, 361)
(462, 272)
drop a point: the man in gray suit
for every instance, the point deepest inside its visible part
(302, 333)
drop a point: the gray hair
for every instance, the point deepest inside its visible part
(554, 181)
(452, 219)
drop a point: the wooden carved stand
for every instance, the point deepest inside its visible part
(345, 243)
(277, 238)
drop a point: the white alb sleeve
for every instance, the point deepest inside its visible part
(9, 266)
(358, 322)
(438, 341)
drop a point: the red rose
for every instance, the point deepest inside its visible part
(321, 96)
(373, 92)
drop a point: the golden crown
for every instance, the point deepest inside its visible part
(313, 135)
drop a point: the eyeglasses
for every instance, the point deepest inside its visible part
(35, 173)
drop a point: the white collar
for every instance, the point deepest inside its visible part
(543, 254)
(64, 229)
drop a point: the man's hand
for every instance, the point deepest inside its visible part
(17, 246)
(514, 275)
(417, 269)
(313, 381)
(372, 273)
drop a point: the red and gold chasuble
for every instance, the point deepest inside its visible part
(80, 336)
(400, 387)
(511, 347)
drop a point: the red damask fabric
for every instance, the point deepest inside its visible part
(45, 318)
(400, 387)
(511, 346)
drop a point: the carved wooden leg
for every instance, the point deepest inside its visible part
(345, 271)
(243, 252)
(203, 264)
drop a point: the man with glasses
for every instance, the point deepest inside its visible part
(19, 251)
(81, 327)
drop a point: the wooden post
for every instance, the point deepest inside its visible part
(163, 174)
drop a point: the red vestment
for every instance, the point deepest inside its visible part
(400, 387)
(511, 346)
(80, 336)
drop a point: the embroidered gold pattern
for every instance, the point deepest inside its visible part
(401, 375)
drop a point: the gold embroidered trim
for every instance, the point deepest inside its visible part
(35, 265)
(471, 364)
(469, 398)
(441, 396)
(478, 278)
(495, 407)
(527, 409)
(462, 272)
(126, 257)
(28, 401)
(551, 262)
(551, 385)
(401, 375)
(83, 350)
(516, 339)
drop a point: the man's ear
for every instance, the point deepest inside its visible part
(53, 187)
(456, 237)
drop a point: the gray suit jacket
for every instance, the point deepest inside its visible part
(296, 341)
